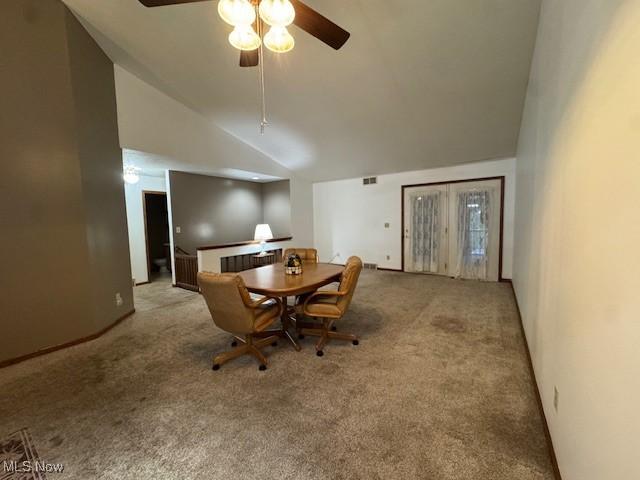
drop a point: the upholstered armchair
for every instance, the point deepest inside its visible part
(233, 311)
(307, 255)
(329, 306)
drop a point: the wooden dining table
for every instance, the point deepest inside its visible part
(271, 281)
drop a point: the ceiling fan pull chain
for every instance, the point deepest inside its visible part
(263, 121)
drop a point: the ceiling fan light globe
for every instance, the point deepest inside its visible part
(236, 12)
(244, 37)
(279, 40)
(277, 13)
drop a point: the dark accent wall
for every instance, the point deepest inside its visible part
(213, 210)
(62, 213)
(93, 87)
(276, 207)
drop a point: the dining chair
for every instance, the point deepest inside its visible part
(233, 311)
(329, 306)
(307, 255)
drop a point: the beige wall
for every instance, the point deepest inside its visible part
(578, 229)
(62, 210)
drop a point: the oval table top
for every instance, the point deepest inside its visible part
(271, 279)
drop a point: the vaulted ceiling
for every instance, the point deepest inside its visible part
(420, 83)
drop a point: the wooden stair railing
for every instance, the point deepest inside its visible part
(186, 269)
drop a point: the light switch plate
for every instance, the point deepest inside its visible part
(178, 230)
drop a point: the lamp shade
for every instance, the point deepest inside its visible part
(279, 40)
(237, 12)
(244, 37)
(263, 232)
(278, 13)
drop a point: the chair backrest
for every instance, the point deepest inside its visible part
(348, 282)
(227, 298)
(307, 255)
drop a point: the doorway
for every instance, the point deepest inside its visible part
(454, 228)
(156, 228)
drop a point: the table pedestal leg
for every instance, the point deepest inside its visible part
(284, 331)
(286, 325)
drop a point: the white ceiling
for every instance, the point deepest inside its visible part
(154, 165)
(420, 83)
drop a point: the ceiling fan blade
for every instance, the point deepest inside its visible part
(319, 26)
(162, 3)
(249, 58)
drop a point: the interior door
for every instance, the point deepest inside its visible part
(474, 229)
(425, 229)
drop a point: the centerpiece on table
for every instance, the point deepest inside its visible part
(293, 264)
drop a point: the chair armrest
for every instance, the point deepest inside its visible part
(257, 303)
(324, 293)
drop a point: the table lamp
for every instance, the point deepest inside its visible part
(263, 233)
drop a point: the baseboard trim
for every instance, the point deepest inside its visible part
(142, 283)
(547, 433)
(389, 269)
(54, 348)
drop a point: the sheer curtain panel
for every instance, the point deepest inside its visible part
(473, 218)
(425, 231)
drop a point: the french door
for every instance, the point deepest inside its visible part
(453, 229)
(425, 226)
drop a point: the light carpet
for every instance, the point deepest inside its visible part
(439, 388)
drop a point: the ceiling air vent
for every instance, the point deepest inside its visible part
(370, 180)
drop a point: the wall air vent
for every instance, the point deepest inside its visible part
(370, 180)
(370, 266)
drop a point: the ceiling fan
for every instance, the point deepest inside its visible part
(276, 13)
(249, 18)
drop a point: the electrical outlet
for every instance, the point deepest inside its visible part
(556, 398)
(388, 257)
(178, 230)
(118, 299)
(386, 225)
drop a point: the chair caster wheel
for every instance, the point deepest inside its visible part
(300, 336)
(356, 342)
(333, 328)
(274, 344)
(215, 367)
(234, 344)
(319, 353)
(262, 368)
